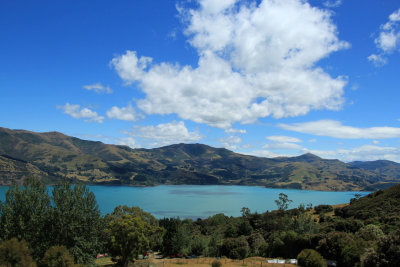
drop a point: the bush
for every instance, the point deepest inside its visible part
(216, 263)
(57, 256)
(235, 248)
(15, 253)
(310, 258)
(323, 209)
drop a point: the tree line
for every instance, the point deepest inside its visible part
(64, 227)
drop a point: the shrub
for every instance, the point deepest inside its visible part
(323, 209)
(216, 263)
(310, 258)
(15, 253)
(57, 256)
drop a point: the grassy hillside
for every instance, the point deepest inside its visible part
(380, 206)
(55, 156)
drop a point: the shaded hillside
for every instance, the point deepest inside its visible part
(54, 156)
(16, 170)
(375, 206)
(381, 167)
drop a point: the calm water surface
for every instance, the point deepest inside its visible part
(201, 201)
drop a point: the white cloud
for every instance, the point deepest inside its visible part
(375, 142)
(388, 40)
(280, 142)
(127, 141)
(125, 113)
(231, 130)
(77, 112)
(335, 129)
(282, 145)
(166, 134)
(266, 154)
(378, 60)
(362, 153)
(283, 139)
(231, 142)
(98, 88)
(332, 4)
(254, 61)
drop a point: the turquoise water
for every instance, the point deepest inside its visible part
(201, 201)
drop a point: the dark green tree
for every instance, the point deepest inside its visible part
(310, 258)
(352, 252)
(245, 228)
(177, 237)
(76, 221)
(231, 230)
(57, 256)
(370, 232)
(128, 238)
(387, 252)
(156, 236)
(198, 245)
(15, 253)
(25, 214)
(214, 245)
(235, 248)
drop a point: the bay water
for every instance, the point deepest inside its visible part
(202, 201)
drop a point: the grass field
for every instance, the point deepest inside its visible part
(200, 262)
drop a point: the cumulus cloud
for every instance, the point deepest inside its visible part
(280, 142)
(335, 129)
(282, 145)
(127, 141)
(388, 40)
(98, 88)
(231, 130)
(77, 112)
(332, 4)
(266, 154)
(378, 60)
(362, 153)
(231, 142)
(125, 113)
(282, 139)
(166, 134)
(254, 61)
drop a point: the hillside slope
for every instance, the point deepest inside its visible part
(55, 156)
(380, 208)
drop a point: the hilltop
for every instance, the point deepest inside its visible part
(55, 156)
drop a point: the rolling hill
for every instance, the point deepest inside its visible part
(54, 156)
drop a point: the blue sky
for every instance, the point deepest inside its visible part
(266, 78)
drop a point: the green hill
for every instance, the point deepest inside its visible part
(380, 208)
(55, 156)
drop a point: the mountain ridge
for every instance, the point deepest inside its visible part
(55, 156)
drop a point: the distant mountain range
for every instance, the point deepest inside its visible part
(54, 156)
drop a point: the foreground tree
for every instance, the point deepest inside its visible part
(177, 237)
(76, 221)
(156, 237)
(70, 217)
(57, 256)
(235, 248)
(387, 253)
(127, 238)
(15, 253)
(25, 214)
(310, 258)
